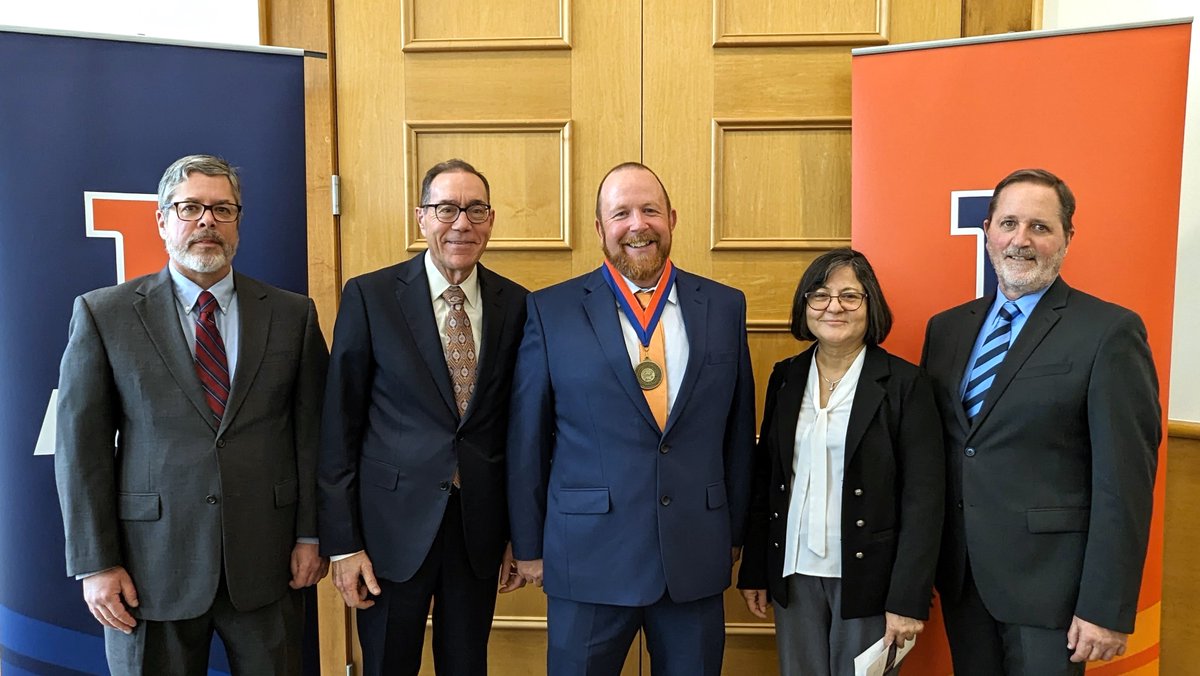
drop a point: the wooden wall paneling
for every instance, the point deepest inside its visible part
(462, 25)
(307, 24)
(989, 17)
(1180, 638)
(754, 22)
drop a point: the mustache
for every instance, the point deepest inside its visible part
(1021, 251)
(212, 236)
(638, 240)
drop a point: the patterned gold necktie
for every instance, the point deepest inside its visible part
(460, 349)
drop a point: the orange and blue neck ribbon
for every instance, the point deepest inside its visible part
(644, 320)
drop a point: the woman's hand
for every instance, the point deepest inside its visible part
(899, 629)
(756, 601)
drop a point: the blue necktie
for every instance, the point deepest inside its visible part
(991, 355)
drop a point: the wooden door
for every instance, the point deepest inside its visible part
(741, 106)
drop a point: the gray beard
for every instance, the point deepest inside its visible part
(204, 263)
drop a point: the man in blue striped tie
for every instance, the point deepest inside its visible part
(1051, 418)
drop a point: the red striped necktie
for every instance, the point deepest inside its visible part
(211, 364)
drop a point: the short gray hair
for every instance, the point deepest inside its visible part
(180, 169)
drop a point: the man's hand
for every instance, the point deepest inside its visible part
(900, 629)
(756, 601)
(1093, 642)
(510, 579)
(354, 578)
(103, 593)
(308, 566)
(530, 571)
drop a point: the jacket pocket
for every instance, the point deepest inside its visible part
(286, 493)
(583, 501)
(1039, 370)
(139, 506)
(716, 495)
(1057, 519)
(378, 473)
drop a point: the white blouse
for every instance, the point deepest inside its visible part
(813, 544)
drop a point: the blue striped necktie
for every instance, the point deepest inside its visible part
(991, 356)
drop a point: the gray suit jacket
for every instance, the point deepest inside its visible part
(176, 497)
(1050, 487)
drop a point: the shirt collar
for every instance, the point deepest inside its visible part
(438, 284)
(634, 288)
(1026, 303)
(187, 291)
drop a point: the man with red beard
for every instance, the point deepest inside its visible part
(1049, 404)
(201, 517)
(629, 446)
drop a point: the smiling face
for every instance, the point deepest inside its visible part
(634, 224)
(835, 327)
(201, 250)
(1026, 240)
(455, 247)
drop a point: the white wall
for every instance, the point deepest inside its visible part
(224, 21)
(1185, 358)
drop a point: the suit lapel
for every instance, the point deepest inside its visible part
(412, 295)
(868, 395)
(972, 322)
(491, 297)
(254, 322)
(693, 305)
(601, 309)
(155, 306)
(1045, 316)
(787, 410)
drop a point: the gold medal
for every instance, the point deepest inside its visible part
(649, 374)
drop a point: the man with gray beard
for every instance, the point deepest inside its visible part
(186, 447)
(1049, 403)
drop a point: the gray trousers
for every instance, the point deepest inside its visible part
(810, 634)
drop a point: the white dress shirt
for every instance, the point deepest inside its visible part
(675, 342)
(813, 544)
(441, 309)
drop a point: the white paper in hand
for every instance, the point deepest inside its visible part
(877, 660)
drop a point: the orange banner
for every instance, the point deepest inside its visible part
(936, 126)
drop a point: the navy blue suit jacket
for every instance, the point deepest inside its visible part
(619, 510)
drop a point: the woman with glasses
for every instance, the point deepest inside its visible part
(849, 481)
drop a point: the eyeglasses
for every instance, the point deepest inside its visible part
(194, 211)
(447, 212)
(820, 300)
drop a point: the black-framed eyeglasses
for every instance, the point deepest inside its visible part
(447, 212)
(820, 300)
(226, 212)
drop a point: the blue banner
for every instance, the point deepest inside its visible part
(86, 124)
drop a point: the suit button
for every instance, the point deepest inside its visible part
(459, 438)
(211, 499)
(774, 515)
(664, 449)
(776, 545)
(782, 488)
(220, 443)
(666, 500)
(858, 491)
(970, 452)
(445, 486)
(858, 555)
(960, 504)
(860, 523)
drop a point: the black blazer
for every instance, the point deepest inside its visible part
(892, 494)
(1050, 487)
(390, 433)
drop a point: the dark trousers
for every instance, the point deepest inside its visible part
(590, 639)
(980, 645)
(259, 642)
(392, 632)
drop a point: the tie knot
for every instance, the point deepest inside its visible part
(643, 297)
(204, 301)
(453, 295)
(1009, 310)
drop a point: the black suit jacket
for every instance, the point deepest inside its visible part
(892, 493)
(1050, 488)
(390, 432)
